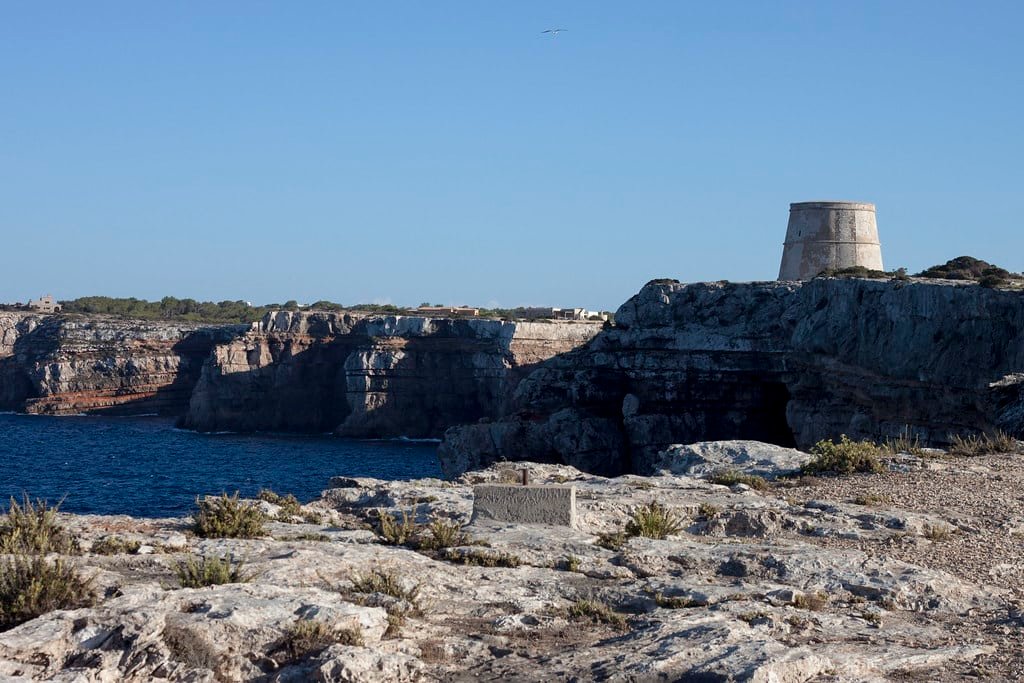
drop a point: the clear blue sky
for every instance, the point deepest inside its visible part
(447, 151)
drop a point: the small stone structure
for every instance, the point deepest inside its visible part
(554, 505)
(829, 235)
(45, 304)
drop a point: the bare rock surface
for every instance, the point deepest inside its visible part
(913, 574)
(749, 457)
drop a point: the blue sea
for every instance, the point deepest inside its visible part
(146, 467)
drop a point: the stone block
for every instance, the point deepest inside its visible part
(554, 505)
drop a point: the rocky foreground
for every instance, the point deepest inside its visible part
(911, 574)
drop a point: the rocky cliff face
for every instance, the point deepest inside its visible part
(62, 365)
(787, 363)
(378, 376)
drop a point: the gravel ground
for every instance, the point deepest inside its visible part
(982, 499)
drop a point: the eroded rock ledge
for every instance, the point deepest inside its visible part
(782, 362)
(793, 583)
(371, 376)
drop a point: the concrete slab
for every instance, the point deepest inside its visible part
(552, 505)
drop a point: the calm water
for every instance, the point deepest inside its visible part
(145, 467)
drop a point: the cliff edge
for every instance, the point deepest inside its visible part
(783, 362)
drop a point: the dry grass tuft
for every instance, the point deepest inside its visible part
(32, 585)
(226, 516)
(32, 528)
(654, 520)
(198, 572)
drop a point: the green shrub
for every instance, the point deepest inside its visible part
(388, 583)
(443, 534)
(199, 572)
(733, 477)
(32, 585)
(708, 510)
(289, 504)
(394, 532)
(985, 444)
(845, 457)
(115, 545)
(571, 564)
(310, 637)
(654, 520)
(597, 612)
(676, 601)
(965, 268)
(481, 558)
(810, 601)
(612, 540)
(225, 516)
(32, 528)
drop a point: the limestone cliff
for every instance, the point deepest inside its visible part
(62, 365)
(783, 362)
(371, 376)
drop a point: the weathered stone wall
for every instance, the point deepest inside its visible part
(824, 235)
(371, 375)
(782, 362)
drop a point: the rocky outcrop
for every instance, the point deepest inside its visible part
(792, 583)
(782, 362)
(62, 365)
(371, 376)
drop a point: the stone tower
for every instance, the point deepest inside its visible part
(823, 235)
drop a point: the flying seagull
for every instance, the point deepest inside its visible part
(554, 31)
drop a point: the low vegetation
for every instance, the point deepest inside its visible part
(289, 504)
(31, 585)
(388, 583)
(32, 528)
(810, 601)
(310, 637)
(861, 271)
(733, 477)
(654, 520)
(441, 533)
(482, 558)
(612, 540)
(595, 612)
(983, 444)
(115, 545)
(397, 532)
(708, 510)
(970, 268)
(844, 457)
(226, 516)
(199, 572)
(675, 601)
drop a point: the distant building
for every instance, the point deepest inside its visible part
(449, 311)
(534, 312)
(44, 304)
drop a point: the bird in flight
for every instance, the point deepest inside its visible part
(554, 31)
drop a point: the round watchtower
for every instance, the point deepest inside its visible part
(824, 235)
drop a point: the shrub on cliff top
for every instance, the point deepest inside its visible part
(970, 268)
(654, 520)
(33, 528)
(845, 457)
(309, 637)
(985, 444)
(225, 516)
(199, 572)
(289, 504)
(32, 585)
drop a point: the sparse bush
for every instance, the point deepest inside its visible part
(310, 637)
(480, 558)
(675, 601)
(867, 500)
(654, 520)
(810, 601)
(985, 444)
(32, 528)
(904, 443)
(856, 271)
(289, 504)
(443, 534)
(115, 545)
(226, 516)
(733, 477)
(612, 540)
(388, 583)
(199, 572)
(966, 268)
(394, 532)
(32, 585)
(934, 532)
(708, 511)
(845, 457)
(571, 564)
(597, 612)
